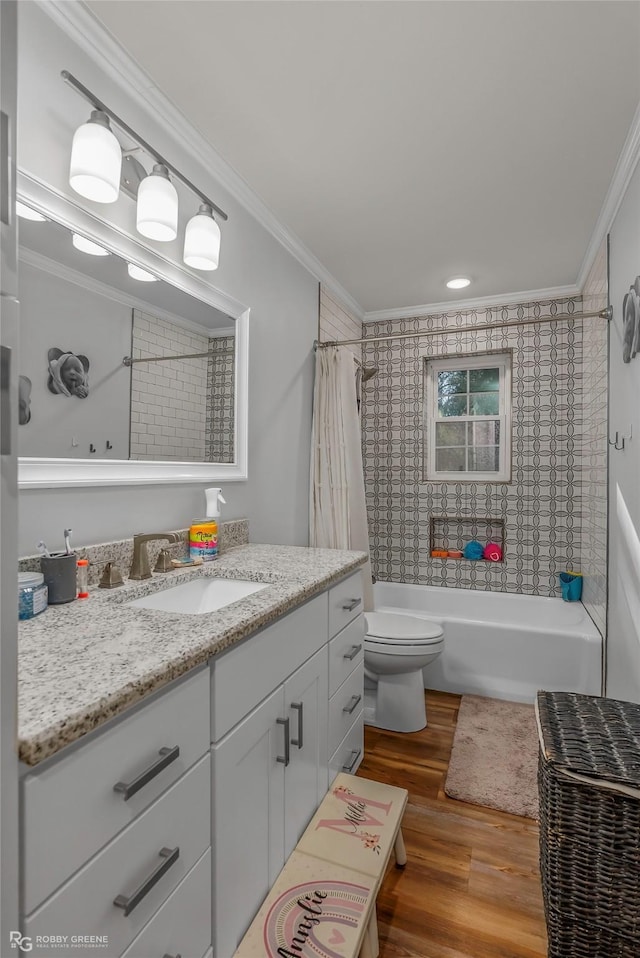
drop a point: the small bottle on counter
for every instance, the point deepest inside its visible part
(32, 594)
(83, 578)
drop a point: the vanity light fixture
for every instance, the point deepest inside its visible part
(97, 173)
(143, 275)
(157, 211)
(88, 246)
(96, 160)
(202, 240)
(26, 213)
(458, 282)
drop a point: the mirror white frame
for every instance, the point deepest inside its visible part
(48, 473)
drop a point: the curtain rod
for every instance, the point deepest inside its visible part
(128, 361)
(601, 314)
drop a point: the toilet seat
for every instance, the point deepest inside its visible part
(390, 630)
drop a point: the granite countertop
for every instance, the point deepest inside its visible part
(83, 663)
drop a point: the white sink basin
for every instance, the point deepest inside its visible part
(198, 596)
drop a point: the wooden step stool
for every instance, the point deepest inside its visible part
(323, 903)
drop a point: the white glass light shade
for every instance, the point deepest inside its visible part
(458, 282)
(96, 160)
(88, 246)
(157, 213)
(26, 213)
(202, 240)
(143, 275)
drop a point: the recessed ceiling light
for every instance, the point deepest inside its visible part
(143, 275)
(88, 246)
(28, 214)
(458, 282)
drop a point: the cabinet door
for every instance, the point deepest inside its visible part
(248, 821)
(306, 695)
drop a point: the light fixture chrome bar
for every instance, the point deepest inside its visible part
(128, 361)
(478, 328)
(159, 158)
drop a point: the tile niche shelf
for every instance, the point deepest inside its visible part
(451, 533)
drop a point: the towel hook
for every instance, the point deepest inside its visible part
(621, 439)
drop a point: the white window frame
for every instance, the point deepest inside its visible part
(433, 366)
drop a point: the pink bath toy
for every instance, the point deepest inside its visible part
(492, 552)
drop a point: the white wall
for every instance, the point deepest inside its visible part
(56, 312)
(254, 268)
(623, 642)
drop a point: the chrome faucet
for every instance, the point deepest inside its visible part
(140, 568)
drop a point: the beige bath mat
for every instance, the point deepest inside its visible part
(495, 756)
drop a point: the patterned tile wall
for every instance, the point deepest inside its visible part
(593, 560)
(219, 440)
(541, 507)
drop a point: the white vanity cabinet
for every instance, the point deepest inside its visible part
(113, 830)
(186, 809)
(271, 769)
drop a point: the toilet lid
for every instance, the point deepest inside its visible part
(390, 625)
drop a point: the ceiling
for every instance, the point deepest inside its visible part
(407, 142)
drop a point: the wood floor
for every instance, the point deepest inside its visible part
(471, 887)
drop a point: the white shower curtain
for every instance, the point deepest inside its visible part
(338, 512)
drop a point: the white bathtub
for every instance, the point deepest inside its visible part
(503, 645)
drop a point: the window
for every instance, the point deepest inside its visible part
(468, 418)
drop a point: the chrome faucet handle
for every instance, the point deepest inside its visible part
(140, 568)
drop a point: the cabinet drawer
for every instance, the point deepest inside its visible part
(182, 926)
(247, 673)
(345, 602)
(350, 752)
(180, 819)
(71, 809)
(346, 651)
(344, 705)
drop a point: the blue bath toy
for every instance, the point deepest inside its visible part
(473, 550)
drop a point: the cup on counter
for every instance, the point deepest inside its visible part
(59, 571)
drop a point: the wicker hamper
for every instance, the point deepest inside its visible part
(589, 783)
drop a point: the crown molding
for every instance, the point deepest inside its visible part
(82, 27)
(467, 305)
(624, 170)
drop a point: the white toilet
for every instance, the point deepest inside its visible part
(396, 649)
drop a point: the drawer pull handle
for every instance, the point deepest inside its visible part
(353, 701)
(299, 707)
(128, 789)
(171, 956)
(170, 856)
(284, 759)
(349, 767)
(354, 651)
(351, 604)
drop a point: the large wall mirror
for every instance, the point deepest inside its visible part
(106, 394)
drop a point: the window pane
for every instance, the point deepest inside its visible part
(484, 380)
(450, 460)
(452, 381)
(451, 433)
(453, 405)
(485, 433)
(484, 404)
(484, 459)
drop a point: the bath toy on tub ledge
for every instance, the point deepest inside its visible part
(473, 550)
(492, 552)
